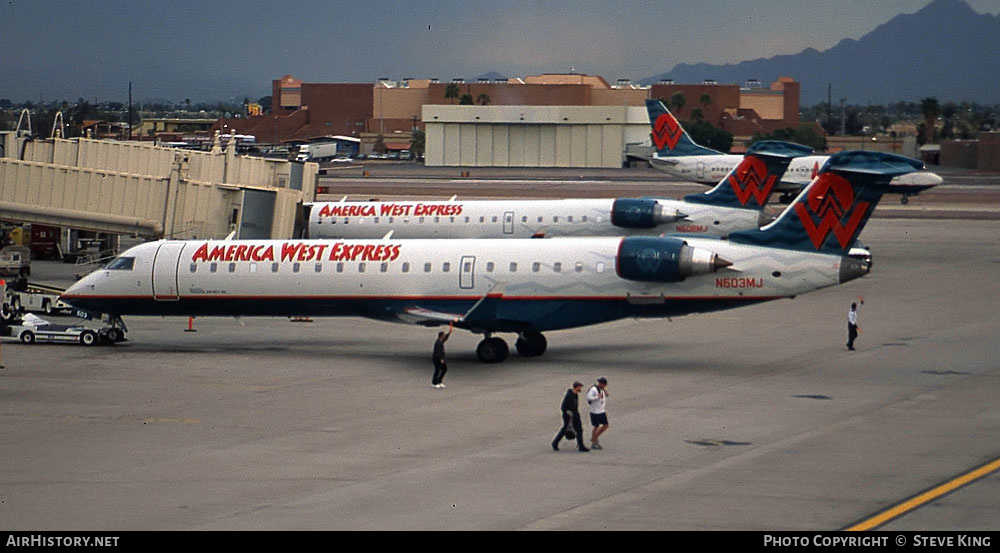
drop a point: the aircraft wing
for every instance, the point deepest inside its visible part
(664, 160)
(484, 310)
(427, 317)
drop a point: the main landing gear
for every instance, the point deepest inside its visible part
(530, 343)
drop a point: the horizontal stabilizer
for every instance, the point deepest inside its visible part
(830, 212)
(750, 184)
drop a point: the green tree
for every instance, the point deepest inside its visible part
(418, 142)
(466, 100)
(451, 92)
(677, 102)
(708, 135)
(483, 99)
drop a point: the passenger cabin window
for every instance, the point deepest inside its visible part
(194, 267)
(583, 218)
(121, 264)
(446, 267)
(361, 267)
(406, 266)
(535, 267)
(427, 267)
(384, 267)
(569, 219)
(489, 267)
(340, 267)
(274, 267)
(213, 267)
(539, 218)
(319, 268)
(578, 267)
(557, 266)
(296, 267)
(232, 267)
(513, 267)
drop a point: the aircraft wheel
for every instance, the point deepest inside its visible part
(492, 350)
(47, 307)
(88, 338)
(28, 337)
(114, 335)
(531, 344)
(904, 200)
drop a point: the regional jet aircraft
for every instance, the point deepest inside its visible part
(525, 287)
(736, 203)
(679, 155)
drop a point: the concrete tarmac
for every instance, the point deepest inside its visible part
(752, 419)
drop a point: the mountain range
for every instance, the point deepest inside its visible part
(945, 50)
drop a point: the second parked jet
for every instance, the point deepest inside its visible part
(736, 203)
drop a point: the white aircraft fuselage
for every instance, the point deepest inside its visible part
(509, 285)
(523, 219)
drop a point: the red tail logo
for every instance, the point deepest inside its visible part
(831, 199)
(815, 170)
(666, 132)
(752, 179)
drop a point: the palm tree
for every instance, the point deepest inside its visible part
(451, 92)
(483, 99)
(677, 102)
(931, 109)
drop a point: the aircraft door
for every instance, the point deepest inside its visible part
(508, 222)
(700, 170)
(165, 263)
(466, 272)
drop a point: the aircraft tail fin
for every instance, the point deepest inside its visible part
(749, 184)
(830, 212)
(669, 137)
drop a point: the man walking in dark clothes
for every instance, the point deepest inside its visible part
(440, 367)
(571, 415)
(852, 324)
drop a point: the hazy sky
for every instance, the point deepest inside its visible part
(208, 50)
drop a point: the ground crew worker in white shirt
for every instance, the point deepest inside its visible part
(852, 324)
(597, 397)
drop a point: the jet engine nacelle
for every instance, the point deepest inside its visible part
(641, 213)
(654, 259)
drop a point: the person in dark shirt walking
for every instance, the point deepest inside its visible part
(571, 415)
(440, 367)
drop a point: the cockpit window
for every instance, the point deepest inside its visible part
(121, 264)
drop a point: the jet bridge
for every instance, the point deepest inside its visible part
(150, 191)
